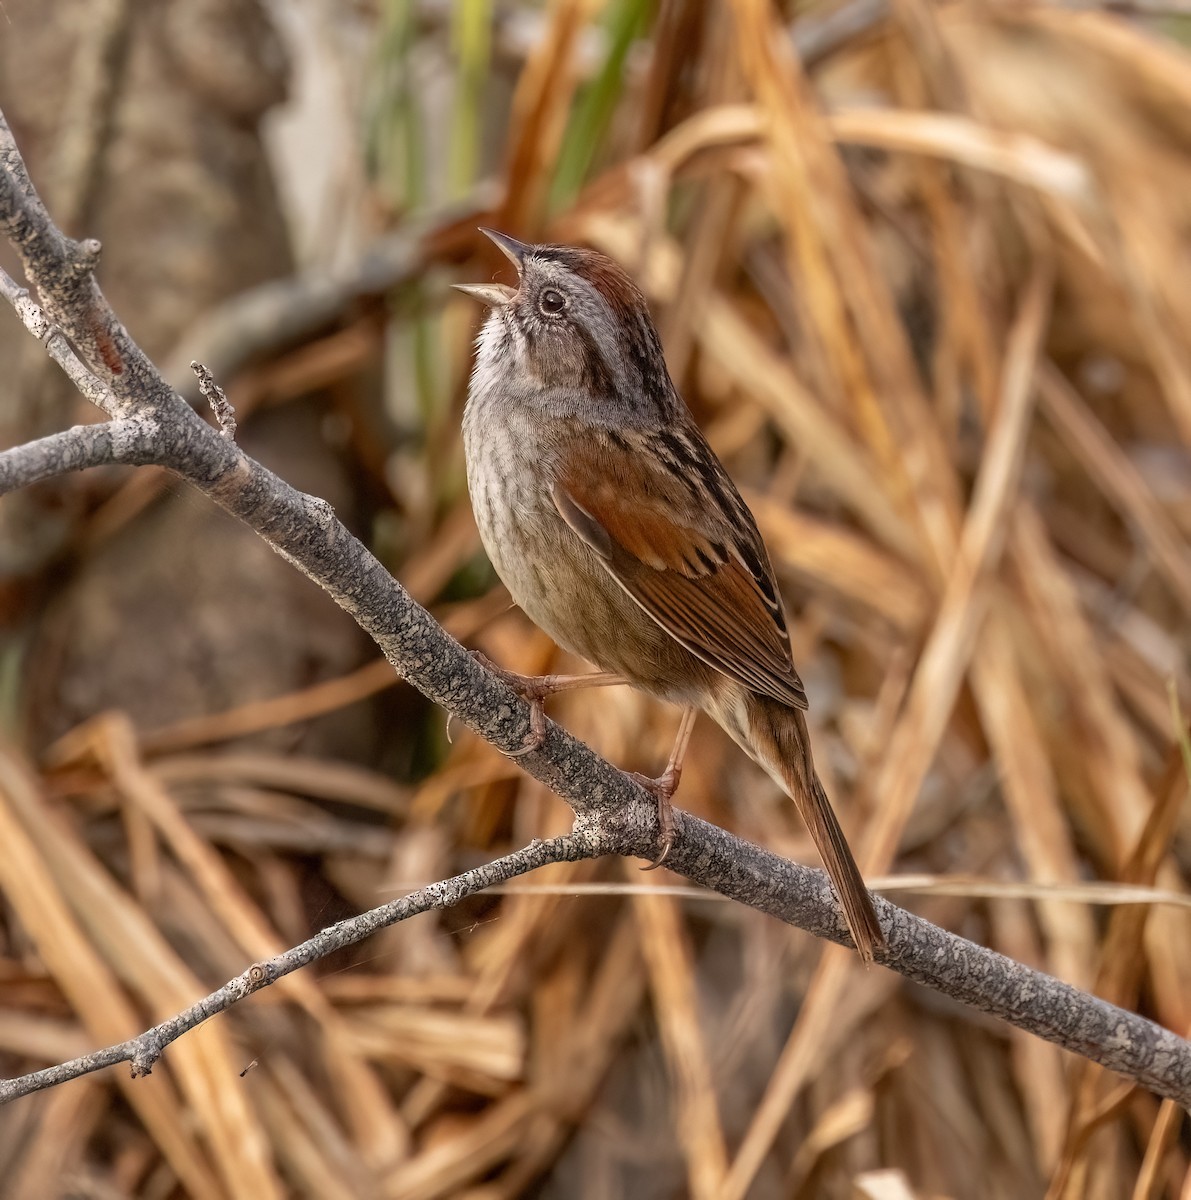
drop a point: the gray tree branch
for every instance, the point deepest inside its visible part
(613, 814)
(144, 1050)
(125, 441)
(56, 344)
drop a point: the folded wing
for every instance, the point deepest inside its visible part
(669, 526)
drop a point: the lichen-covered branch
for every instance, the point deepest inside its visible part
(126, 441)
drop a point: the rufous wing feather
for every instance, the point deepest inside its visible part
(686, 567)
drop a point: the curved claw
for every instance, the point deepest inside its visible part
(660, 860)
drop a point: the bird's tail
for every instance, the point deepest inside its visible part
(777, 737)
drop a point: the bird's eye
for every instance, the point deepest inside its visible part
(552, 302)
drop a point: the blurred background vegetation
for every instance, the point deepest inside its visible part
(923, 272)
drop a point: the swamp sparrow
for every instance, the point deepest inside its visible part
(618, 531)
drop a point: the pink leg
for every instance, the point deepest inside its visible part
(535, 689)
(666, 784)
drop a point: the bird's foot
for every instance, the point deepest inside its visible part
(534, 689)
(662, 789)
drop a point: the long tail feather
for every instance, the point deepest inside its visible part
(778, 738)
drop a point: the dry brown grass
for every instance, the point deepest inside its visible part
(930, 303)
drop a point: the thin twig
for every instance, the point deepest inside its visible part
(71, 296)
(225, 415)
(144, 1050)
(56, 344)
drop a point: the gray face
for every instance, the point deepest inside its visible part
(564, 332)
(575, 339)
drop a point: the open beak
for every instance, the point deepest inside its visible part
(511, 248)
(496, 295)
